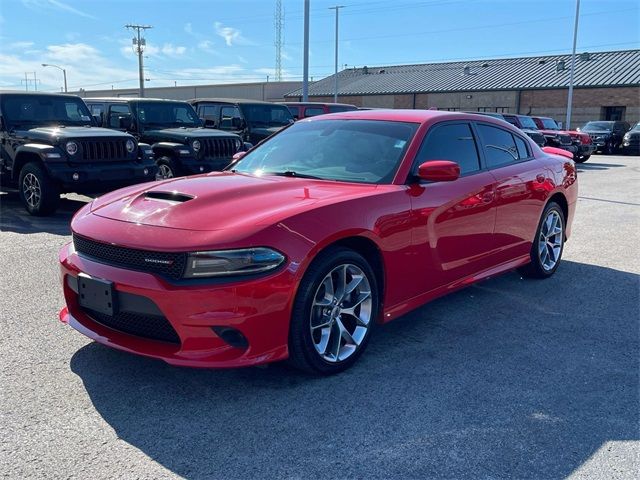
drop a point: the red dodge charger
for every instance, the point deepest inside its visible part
(305, 242)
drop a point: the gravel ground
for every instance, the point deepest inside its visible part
(510, 378)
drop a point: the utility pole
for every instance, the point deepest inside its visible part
(335, 76)
(305, 68)
(279, 24)
(139, 43)
(573, 67)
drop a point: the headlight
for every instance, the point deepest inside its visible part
(238, 144)
(196, 145)
(232, 262)
(72, 148)
(627, 136)
(131, 145)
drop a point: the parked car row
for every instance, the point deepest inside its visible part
(52, 144)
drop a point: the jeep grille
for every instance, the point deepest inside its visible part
(103, 149)
(218, 147)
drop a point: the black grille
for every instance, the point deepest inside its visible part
(565, 139)
(218, 147)
(104, 149)
(153, 327)
(165, 263)
(537, 137)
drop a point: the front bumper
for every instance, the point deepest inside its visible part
(259, 309)
(631, 146)
(585, 149)
(101, 176)
(193, 166)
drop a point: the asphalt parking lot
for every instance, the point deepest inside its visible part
(510, 378)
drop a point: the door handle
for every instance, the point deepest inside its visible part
(540, 178)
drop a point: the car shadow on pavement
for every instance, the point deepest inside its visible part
(14, 217)
(597, 166)
(509, 378)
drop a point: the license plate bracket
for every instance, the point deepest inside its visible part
(97, 295)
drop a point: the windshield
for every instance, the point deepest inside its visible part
(527, 122)
(636, 126)
(364, 151)
(267, 115)
(549, 124)
(598, 126)
(36, 110)
(167, 114)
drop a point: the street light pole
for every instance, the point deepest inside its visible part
(305, 67)
(573, 66)
(335, 76)
(64, 73)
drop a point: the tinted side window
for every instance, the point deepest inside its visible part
(523, 148)
(96, 108)
(452, 142)
(499, 146)
(227, 114)
(313, 111)
(340, 108)
(115, 113)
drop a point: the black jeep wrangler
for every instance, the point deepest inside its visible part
(49, 145)
(253, 120)
(180, 145)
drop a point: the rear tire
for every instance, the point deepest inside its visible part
(167, 168)
(548, 244)
(39, 193)
(334, 312)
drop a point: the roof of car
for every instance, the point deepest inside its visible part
(400, 115)
(36, 94)
(317, 103)
(230, 101)
(131, 99)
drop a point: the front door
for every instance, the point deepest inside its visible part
(453, 221)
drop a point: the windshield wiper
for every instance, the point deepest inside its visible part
(292, 173)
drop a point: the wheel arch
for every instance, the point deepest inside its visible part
(22, 158)
(370, 251)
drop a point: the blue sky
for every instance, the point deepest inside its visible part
(215, 41)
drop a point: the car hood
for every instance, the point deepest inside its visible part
(181, 134)
(597, 132)
(264, 132)
(61, 133)
(222, 200)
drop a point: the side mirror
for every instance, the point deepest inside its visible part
(439, 171)
(201, 122)
(237, 122)
(246, 146)
(238, 156)
(124, 123)
(98, 120)
(208, 123)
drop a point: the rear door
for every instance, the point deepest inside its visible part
(522, 183)
(454, 221)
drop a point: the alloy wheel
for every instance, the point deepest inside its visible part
(341, 313)
(32, 190)
(550, 240)
(164, 171)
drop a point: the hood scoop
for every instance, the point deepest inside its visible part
(171, 197)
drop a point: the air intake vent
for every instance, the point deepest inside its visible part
(585, 57)
(174, 197)
(560, 66)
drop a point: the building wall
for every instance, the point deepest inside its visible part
(269, 91)
(588, 103)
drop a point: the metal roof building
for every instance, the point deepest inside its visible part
(507, 84)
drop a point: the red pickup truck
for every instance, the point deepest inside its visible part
(578, 143)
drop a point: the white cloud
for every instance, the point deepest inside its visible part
(152, 50)
(205, 45)
(170, 50)
(19, 45)
(241, 59)
(232, 36)
(39, 5)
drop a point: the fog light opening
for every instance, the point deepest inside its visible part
(76, 176)
(232, 336)
(201, 168)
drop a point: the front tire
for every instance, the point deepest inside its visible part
(334, 312)
(581, 158)
(39, 193)
(546, 251)
(167, 168)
